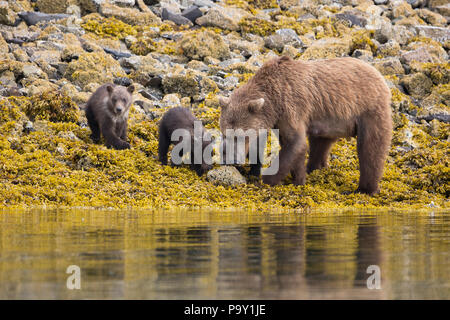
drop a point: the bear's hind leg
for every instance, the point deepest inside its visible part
(319, 149)
(373, 142)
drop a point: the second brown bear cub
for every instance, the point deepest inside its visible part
(107, 114)
(181, 118)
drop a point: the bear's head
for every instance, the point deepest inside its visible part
(241, 120)
(120, 99)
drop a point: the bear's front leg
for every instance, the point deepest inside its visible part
(292, 149)
(111, 139)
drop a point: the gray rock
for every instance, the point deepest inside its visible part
(117, 54)
(32, 18)
(436, 33)
(378, 2)
(281, 38)
(416, 3)
(421, 55)
(443, 117)
(192, 13)
(176, 18)
(227, 176)
(124, 3)
(122, 81)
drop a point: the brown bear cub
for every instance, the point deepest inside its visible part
(182, 118)
(107, 114)
(319, 100)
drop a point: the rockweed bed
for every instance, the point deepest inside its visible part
(48, 71)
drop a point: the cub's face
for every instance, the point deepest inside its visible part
(119, 99)
(244, 118)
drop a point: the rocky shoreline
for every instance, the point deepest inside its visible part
(54, 54)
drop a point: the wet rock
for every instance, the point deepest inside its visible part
(417, 85)
(198, 45)
(192, 13)
(226, 175)
(32, 18)
(389, 66)
(223, 17)
(176, 18)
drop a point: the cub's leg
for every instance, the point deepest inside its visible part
(319, 149)
(122, 129)
(93, 124)
(373, 141)
(163, 146)
(108, 129)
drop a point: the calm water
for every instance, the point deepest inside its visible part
(209, 255)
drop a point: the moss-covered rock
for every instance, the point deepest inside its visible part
(327, 48)
(93, 67)
(130, 16)
(200, 44)
(227, 176)
(418, 84)
(52, 106)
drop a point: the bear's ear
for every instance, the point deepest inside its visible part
(109, 88)
(130, 89)
(224, 102)
(255, 105)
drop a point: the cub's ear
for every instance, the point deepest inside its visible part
(255, 105)
(109, 88)
(224, 102)
(130, 89)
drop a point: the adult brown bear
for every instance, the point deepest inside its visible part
(322, 100)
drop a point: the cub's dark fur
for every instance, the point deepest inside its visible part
(107, 113)
(180, 118)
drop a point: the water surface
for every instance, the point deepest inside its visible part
(223, 255)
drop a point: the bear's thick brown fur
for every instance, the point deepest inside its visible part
(322, 100)
(107, 114)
